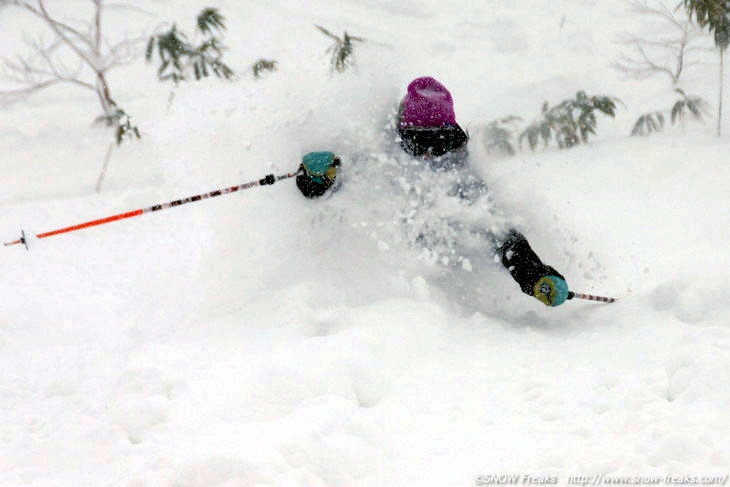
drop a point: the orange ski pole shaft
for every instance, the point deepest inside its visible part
(270, 179)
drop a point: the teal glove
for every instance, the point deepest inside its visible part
(551, 290)
(318, 173)
(321, 167)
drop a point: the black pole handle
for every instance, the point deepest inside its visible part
(270, 179)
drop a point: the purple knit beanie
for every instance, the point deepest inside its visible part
(427, 104)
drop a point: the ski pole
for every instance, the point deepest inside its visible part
(267, 180)
(590, 297)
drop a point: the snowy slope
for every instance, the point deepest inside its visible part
(261, 339)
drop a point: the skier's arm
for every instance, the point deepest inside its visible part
(535, 278)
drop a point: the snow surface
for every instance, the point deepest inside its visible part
(260, 339)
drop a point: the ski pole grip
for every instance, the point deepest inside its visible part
(270, 179)
(571, 295)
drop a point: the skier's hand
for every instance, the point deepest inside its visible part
(551, 290)
(321, 165)
(318, 173)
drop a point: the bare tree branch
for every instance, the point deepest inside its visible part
(97, 27)
(42, 67)
(60, 31)
(36, 11)
(11, 96)
(122, 53)
(661, 11)
(660, 55)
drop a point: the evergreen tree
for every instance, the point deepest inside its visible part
(571, 122)
(715, 16)
(648, 123)
(342, 50)
(654, 121)
(122, 124)
(180, 57)
(499, 136)
(692, 104)
(263, 65)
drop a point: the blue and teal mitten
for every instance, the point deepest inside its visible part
(318, 173)
(551, 290)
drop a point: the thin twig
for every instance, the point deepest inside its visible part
(104, 167)
(643, 63)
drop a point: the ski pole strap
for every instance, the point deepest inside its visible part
(591, 297)
(267, 180)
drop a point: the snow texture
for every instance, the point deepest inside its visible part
(261, 339)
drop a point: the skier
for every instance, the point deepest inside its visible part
(427, 130)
